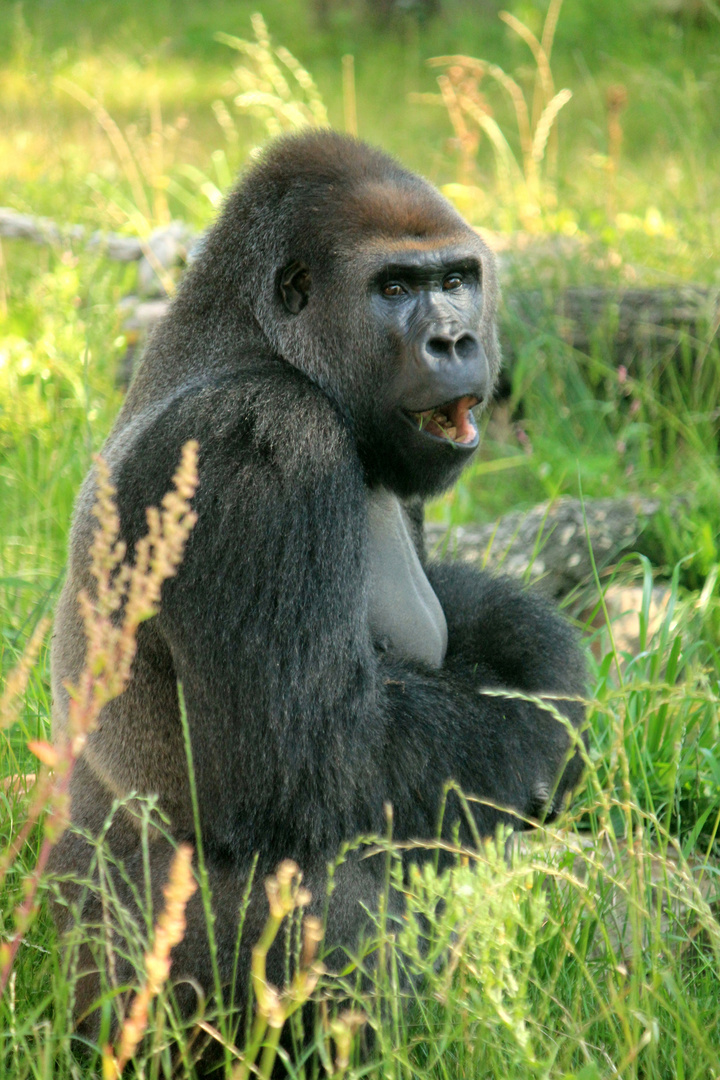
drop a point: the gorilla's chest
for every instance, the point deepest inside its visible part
(405, 616)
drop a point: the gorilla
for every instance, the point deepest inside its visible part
(326, 349)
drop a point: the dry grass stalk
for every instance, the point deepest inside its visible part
(343, 1029)
(117, 140)
(461, 95)
(169, 931)
(274, 1007)
(124, 596)
(143, 162)
(134, 590)
(349, 99)
(17, 680)
(616, 99)
(265, 90)
(467, 138)
(18, 784)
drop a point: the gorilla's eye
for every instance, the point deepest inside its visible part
(393, 288)
(453, 281)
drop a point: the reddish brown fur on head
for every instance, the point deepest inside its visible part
(321, 184)
(399, 211)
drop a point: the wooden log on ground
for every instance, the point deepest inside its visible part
(635, 325)
(549, 545)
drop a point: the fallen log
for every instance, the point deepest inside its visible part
(550, 545)
(635, 326)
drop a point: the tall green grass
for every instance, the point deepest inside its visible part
(584, 951)
(594, 950)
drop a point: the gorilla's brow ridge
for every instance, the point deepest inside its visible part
(410, 244)
(414, 270)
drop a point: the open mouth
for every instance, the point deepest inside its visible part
(452, 422)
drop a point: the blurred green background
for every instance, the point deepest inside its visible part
(124, 116)
(157, 56)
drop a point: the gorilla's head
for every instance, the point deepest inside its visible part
(364, 277)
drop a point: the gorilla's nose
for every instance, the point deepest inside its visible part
(450, 364)
(462, 348)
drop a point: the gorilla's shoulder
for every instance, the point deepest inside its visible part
(271, 406)
(255, 426)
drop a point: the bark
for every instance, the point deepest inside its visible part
(549, 545)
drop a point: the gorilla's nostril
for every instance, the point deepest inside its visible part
(466, 347)
(463, 348)
(440, 347)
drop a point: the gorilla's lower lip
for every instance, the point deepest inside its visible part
(451, 422)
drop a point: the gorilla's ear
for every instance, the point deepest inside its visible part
(294, 286)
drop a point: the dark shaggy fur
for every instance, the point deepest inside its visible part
(302, 728)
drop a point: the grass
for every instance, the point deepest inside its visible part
(594, 951)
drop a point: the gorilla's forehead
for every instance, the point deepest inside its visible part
(421, 246)
(397, 212)
(420, 250)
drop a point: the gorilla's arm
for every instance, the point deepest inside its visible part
(518, 641)
(516, 634)
(300, 731)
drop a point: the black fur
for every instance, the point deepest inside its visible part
(302, 729)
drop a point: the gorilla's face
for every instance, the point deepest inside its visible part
(427, 306)
(412, 322)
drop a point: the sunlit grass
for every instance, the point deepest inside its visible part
(669, 127)
(594, 953)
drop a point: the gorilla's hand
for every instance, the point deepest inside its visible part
(502, 638)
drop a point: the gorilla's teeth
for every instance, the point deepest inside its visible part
(438, 423)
